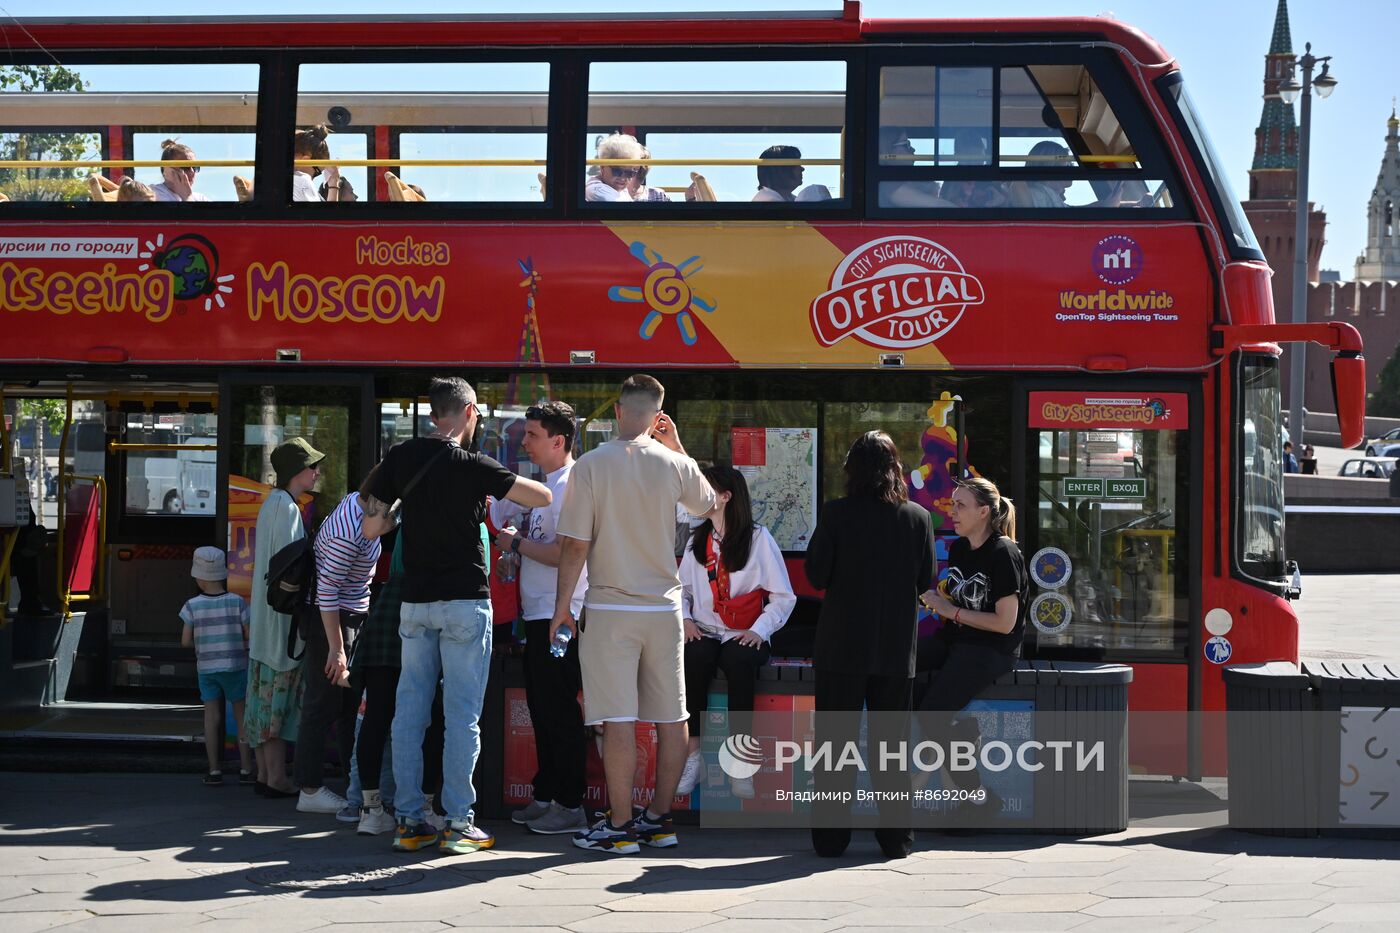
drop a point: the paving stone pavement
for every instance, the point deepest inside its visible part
(145, 853)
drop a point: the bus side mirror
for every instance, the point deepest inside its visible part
(1349, 394)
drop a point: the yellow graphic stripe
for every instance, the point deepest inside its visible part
(761, 278)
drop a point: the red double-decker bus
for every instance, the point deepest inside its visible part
(1008, 243)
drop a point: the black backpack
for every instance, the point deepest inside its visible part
(291, 575)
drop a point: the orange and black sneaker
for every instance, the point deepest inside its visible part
(604, 837)
(409, 837)
(462, 836)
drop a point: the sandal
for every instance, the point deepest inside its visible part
(247, 777)
(214, 779)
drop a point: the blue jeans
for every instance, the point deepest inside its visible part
(451, 641)
(354, 795)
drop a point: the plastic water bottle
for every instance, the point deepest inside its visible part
(560, 645)
(508, 566)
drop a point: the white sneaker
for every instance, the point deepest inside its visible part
(559, 820)
(741, 788)
(324, 800)
(375, 821)
(531, 811)
(692, 774)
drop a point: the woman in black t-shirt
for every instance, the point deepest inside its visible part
(983, 606)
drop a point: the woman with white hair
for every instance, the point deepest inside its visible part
(612, 181)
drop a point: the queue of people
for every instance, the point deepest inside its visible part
(608, 611)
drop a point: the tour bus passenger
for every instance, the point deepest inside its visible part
(347, 549)
(274, 678)
(637, 187)
(310, 143)
(970, 148)
(612, 182)
(619, 517)
(445, 628)
(982, 603)
(778, 182)
(179, 182)
(895, 149)
(873, 553)
(133, 190)
(1047, 192)
(737, 594)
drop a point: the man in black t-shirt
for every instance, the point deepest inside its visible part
(445, 626)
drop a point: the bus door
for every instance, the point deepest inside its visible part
(335, 413)
(1109, 539)
(159, 443)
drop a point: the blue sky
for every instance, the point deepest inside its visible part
(1220, 46)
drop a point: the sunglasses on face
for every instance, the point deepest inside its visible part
(192, 169)
(624, 172)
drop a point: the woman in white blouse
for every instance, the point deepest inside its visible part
(737, 594)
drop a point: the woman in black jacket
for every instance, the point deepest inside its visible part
(872, 552)
(983, 606)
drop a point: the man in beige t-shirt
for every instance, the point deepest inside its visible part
(619, 515)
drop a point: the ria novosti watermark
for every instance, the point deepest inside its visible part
(742, 756)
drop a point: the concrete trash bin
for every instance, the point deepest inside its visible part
(1272, 748)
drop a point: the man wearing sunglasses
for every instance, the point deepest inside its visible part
(611, 182)
(445, 622)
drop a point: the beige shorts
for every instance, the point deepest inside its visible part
(633, 666)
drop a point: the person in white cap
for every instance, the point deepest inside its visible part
(216, 626)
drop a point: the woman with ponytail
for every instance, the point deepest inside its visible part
(177, 183)
(983, 606)
(310, 143)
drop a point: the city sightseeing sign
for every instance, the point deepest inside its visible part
(897, 292)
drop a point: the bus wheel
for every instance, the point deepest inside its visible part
(172, 504)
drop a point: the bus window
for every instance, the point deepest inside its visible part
(178, 480)
(67, 113)
(720, 121)
(462, 132)
(1057, 142)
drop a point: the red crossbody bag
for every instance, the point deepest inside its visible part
(739, 612)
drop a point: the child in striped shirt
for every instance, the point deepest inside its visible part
(216, 626)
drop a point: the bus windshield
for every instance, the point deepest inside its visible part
(1227, 205)
(1260, 518)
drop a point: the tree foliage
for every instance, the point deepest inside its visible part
(56, 184)
(50, 409)
(1385, 401)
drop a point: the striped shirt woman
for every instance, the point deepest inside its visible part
(345, 559)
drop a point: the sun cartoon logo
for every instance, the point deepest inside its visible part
(668, 292)
(194, 262)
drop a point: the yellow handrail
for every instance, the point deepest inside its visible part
(385, 163)
(61, 496)
(114, 446)
(11, 539)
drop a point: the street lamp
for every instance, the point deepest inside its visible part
(1290, 90)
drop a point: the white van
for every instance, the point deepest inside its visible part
(174, 483)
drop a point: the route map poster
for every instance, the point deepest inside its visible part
(780, 466)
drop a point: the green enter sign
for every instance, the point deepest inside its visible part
(1127, 488)
(1083, 487)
